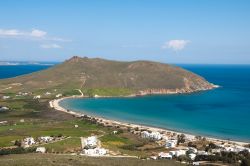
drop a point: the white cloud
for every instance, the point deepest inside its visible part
(49, 46)
(176, 45)
(34, 34)
(58, 39)
(38, 33)
(10, 32)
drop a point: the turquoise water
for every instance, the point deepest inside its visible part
(222, 113)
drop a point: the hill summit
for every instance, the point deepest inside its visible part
(144, 77)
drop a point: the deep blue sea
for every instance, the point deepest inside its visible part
(8, 71)
(222, 112)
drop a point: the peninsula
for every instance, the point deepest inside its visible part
(110, 78)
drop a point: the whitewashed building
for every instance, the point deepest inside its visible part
(6, 97)
(46, 139)
(37, 97)
(47, 93)
(28, 141)
(171, 143)
(3, 108)
(163, 155)
(90, 142)
(41, 149)
(180, 152)
(192, 156)
(202, 152)
(95, 152)
(153, 135)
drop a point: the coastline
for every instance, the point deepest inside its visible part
(109, 122)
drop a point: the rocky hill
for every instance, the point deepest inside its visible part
(144, 77)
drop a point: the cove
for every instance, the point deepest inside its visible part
(221, 113)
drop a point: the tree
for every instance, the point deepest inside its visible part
(181, 139)
(18, 143)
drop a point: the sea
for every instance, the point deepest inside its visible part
(8, 71)
(221, 113)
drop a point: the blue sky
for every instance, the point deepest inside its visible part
(176, 31)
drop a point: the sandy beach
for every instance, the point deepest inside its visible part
(55, 104)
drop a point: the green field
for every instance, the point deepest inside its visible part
(29, 117)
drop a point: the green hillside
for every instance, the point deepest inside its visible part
(97, 75)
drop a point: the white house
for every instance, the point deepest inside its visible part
(165, 155)
(37, 97)
(90, 142)
(47, 93)
(95, 152)
(3, 122)
(28, 141)
(202, 152)
(46, 139)
(145, 134)
(216, 150)
(171, 143)
(6, 97)
(76, 126)
(196, 163)
(101, 151)
(153, 135)
(180, 153)
(192, 156)
(229, 149)
(41, 149)
(3, 108)
(23, 93)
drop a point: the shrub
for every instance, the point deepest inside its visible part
(18, 150)
(245, 162)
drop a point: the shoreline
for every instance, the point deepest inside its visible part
(55, 104)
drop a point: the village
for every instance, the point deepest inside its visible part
(188, 148)
(90, 146)
(175, 145)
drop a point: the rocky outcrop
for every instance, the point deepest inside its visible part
(190, 87)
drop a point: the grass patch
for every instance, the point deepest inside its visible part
(64, 146)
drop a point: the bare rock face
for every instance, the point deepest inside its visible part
(143, 77)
